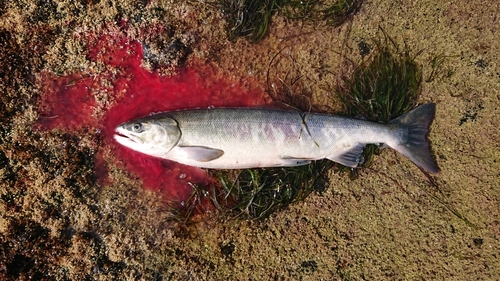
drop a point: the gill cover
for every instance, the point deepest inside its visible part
(171, 133)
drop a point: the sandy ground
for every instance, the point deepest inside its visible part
(58, 223)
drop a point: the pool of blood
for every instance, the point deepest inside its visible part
(69, 103)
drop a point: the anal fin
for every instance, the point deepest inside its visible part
(351, 157)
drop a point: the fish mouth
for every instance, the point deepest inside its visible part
(123, 137)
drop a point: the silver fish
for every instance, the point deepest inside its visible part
(237, 138)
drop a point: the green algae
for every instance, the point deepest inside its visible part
(383, 87)
(251, 18)
(257, 193)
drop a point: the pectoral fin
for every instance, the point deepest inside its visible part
(351, 157)
(201, 153)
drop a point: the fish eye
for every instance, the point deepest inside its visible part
(137, 127)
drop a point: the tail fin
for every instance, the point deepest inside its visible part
(414, 144)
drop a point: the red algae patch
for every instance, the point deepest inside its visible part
(68, 102)
(71, 102)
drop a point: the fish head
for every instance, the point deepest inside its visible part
(154, 136)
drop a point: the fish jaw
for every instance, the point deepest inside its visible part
(127, 139)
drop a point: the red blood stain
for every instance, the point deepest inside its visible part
(69, 102)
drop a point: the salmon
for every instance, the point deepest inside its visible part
(238, 138)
